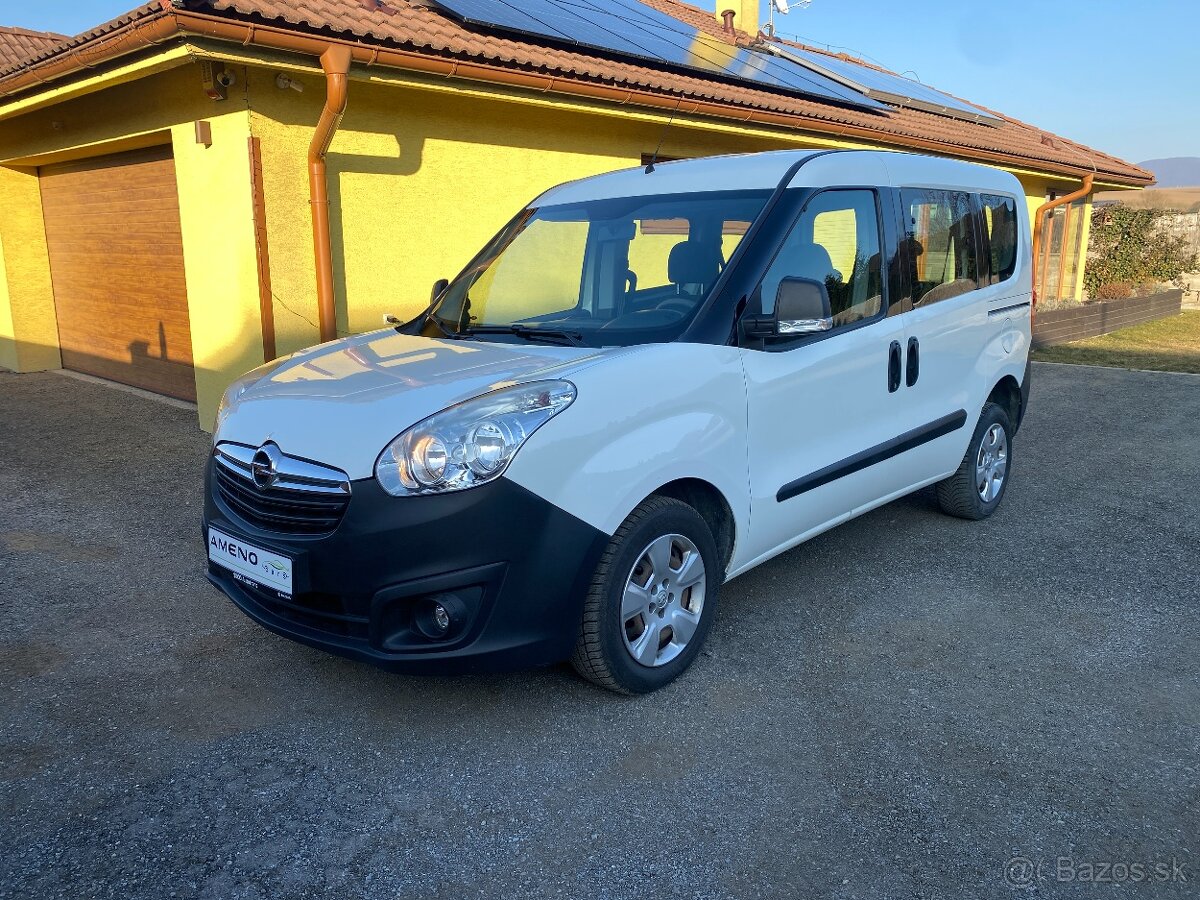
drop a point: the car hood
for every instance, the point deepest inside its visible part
(342, 402)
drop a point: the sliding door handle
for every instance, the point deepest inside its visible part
(912, 369)
(894, 367)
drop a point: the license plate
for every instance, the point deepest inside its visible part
(264, 568)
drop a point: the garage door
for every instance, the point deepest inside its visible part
(116, 258)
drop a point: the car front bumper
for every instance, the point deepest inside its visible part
(517, 566)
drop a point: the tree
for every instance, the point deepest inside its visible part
(1130, 247)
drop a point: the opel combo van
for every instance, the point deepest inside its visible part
(648, 383)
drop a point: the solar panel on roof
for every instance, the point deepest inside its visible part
(885, 86)
(633, 29)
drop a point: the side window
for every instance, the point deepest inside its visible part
(835, 241)
(940, 241)
(1000, 222)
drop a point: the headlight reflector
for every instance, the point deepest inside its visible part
(471, 443)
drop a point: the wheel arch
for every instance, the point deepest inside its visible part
(707, 499)
(1007, 395)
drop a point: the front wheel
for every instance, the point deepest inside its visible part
(976, 489)
(651, 601)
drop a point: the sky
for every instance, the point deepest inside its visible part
(1118, 75)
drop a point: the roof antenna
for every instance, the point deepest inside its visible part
(783, 7)
(663, 136)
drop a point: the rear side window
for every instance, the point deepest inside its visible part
(940, 244)
(1000, 223)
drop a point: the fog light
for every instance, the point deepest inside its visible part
(440, 616)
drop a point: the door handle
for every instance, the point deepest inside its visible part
(894, 367)
(912, 369)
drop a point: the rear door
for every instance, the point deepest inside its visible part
(821, 406)
(947, 328)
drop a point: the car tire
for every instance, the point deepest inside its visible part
(634, 652)
(976, 489)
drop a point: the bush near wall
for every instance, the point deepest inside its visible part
(1131, 247)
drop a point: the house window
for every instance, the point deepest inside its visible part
(1061, 253)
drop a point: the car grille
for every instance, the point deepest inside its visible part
(301, 498)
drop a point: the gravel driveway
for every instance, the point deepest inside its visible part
(896, 709)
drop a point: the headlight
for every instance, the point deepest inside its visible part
(471, 443)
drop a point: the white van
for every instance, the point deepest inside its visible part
(648, 383)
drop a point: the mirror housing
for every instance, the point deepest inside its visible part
(801, 307)
(438, 286)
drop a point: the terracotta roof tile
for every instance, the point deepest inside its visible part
(416, 26)
(17, 44)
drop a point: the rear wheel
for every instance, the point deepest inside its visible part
(976, 489)
(651, 600)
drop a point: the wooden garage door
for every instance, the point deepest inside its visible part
(116, 258)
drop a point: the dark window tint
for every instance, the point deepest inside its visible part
(939, 244)
(836, 242)
(1000, 220)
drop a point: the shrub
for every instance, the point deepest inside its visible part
(1113, 291)
(1129, 247)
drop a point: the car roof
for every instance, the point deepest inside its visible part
(764, 171)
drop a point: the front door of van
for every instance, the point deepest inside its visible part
(821, 406)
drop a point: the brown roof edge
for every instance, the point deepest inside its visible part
(157, 27)
(137, 34)
(29, 32)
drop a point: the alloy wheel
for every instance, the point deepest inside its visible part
(991, 464)
(663, 600)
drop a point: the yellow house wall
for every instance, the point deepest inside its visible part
(8, 343)
(216, 213)
(215, 205)
(28, 326)
(418, 183)
(422, 173)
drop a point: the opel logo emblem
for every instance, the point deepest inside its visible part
(264, 468)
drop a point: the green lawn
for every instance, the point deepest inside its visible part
(1168, 345)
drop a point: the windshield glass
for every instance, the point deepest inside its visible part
(607, 272)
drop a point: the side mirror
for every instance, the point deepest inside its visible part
(801, 307)
(438, 286)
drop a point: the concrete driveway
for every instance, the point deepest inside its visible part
(897, 709)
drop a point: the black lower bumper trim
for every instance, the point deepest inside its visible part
(515, 566)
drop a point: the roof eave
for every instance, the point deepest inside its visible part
(166, 24)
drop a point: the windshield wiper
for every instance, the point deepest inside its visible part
(547, 335)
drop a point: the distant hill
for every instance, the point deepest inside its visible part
(1178, 171)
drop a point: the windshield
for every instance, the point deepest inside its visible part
(605, 272)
